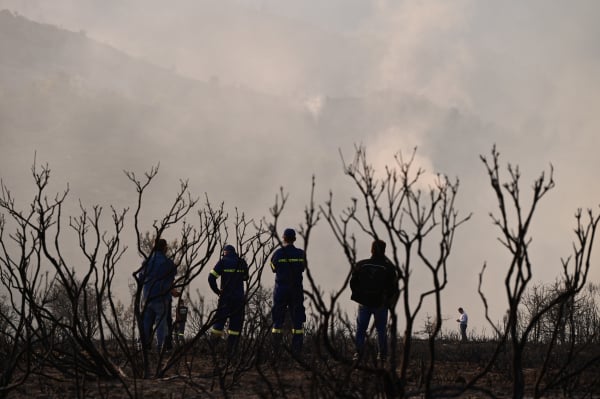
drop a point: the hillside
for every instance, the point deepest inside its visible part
(63, 93)
(91, 111)
(233, 42)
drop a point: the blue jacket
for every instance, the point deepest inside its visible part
(157, 276)
(233, 271)
(288, 264)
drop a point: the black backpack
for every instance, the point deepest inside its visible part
(181, 313)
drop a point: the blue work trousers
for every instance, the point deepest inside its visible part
(287, 299)
(232, 309)
(362, 324)
(155, 318)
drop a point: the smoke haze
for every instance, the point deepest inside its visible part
(243, 97)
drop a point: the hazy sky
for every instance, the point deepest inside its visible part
(467, 75)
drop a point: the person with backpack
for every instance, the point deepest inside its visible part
(374, 286)
(233, 271)
(288, 263)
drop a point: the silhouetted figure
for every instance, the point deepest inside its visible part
(157, 276)
(288, 264)
(463, 320)
(374, 285)
(181, 312)
(233, 271)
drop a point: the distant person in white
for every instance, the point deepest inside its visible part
(463, 320)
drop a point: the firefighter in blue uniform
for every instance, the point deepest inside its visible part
(156, 276)
(288, 264)
(233, 271)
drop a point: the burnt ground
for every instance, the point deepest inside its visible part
(202, 374)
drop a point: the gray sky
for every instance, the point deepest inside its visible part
(452, 78)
